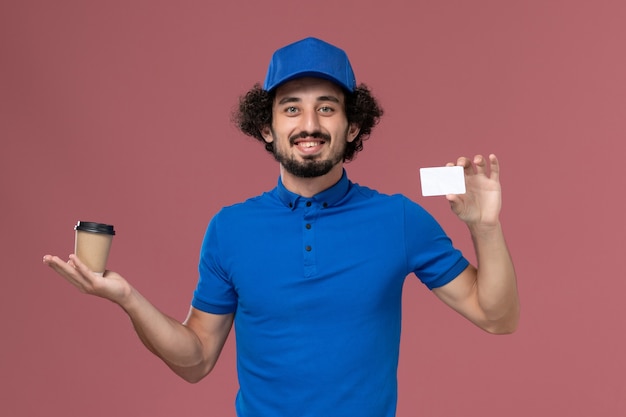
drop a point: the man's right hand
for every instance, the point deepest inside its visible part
(110, 285)
(190, 349)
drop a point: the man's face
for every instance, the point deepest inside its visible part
(309, 127)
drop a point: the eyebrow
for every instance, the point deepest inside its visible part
(291, 99)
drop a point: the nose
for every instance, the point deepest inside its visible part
(310, 121)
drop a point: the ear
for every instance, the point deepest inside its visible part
(266, 132)
(353, 131)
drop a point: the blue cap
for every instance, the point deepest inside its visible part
(310, 57)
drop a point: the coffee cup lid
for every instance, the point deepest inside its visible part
(95, 227)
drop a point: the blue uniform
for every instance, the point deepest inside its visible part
(316, 285)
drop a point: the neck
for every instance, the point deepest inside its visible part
(308, 187)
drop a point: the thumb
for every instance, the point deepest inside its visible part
(455, 202)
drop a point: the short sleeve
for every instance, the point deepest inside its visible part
(431, 255)
(214, 292)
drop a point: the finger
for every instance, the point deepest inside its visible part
(480, 164)
(47, 259)
(494, 167)
(454, 201)
(65, 269)
(81, 267)
(58, 264)
(466, 164)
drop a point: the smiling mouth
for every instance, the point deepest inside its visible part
(309, 143)
(309, 138)
(309, 147)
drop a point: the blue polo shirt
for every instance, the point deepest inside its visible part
(316, 285)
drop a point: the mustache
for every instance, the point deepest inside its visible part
(305, 134)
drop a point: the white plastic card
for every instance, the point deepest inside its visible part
(442, 181)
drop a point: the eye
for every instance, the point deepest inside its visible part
(326, 109)
(291, 110)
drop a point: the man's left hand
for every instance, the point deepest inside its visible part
(482, 201)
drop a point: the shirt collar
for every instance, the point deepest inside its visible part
(327, 198)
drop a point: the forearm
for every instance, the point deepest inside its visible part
(496, 282)
(173, 342)
(190, 349)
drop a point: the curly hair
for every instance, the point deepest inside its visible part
(255, 113)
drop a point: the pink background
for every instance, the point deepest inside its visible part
(118, 112)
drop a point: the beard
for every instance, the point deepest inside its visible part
(305, 169)
(309, 167)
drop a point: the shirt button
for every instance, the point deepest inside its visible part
(308, 226)
(325, 205)
(290, 204)
(308, 204)
(307, 248)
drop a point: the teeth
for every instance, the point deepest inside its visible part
(308, 144)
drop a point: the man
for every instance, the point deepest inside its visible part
(312, 271)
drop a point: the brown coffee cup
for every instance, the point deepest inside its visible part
(92, 244)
